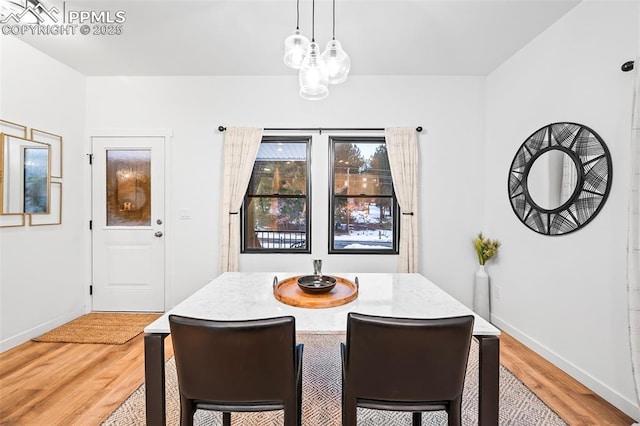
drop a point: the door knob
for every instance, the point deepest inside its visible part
(158, 234)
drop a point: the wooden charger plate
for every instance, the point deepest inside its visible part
(288, 292)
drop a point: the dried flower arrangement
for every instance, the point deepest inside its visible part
(485, 248)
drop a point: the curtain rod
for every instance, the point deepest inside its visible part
(627, 66)
(324, 129)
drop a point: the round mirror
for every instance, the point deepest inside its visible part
(552, 179)
(560, 178)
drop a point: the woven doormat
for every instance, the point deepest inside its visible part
(100, 327)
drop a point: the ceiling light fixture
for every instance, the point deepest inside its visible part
(337, 60)
(314, 76)
(295, 46)
(317, 70)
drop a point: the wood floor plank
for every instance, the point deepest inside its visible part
(72, 368)
(574, 402)
(79, 384)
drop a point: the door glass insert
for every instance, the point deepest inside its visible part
(128, 187)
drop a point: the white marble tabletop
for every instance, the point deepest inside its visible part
(249, 295)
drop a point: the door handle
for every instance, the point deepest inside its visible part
(158, 234)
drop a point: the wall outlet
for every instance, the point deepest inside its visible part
(185, 214)
(497, 291)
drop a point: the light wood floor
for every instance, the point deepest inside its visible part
(72, 384)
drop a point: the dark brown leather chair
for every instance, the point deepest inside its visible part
(401, 364)
(237, 366)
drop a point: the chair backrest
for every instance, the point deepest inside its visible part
(235, 361)
(407, 359)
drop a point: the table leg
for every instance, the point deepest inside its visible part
(489, 380)
(154, 379)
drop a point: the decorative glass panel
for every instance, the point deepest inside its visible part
(128, 188)
(36, 180)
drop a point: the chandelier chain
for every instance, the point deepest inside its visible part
(298, 15)
(313, 20)
(334, 19)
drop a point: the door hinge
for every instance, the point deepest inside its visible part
(90, 159)
(90, 225)
(90, 290)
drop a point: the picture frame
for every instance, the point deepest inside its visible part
(12, 220)
(55, 142)
(54, 217)
(13, 129)
(24, 175)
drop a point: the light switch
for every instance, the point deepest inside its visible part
(185, 214)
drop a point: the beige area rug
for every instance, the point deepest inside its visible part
(322, 391)
(100, 327)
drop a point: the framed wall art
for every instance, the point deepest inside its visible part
(55, 142)
(54, 217)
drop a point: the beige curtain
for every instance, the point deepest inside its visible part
(633, 244)
(241, 146)
(402, 149)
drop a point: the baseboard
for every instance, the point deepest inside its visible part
(36, 331)
(614, 398)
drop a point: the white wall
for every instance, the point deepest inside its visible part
(42, 268)
(566, 296)
(451, 110)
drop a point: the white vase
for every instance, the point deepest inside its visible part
(481, 301)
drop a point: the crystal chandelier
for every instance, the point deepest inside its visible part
(316, 70)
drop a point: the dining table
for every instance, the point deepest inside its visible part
(250, 295)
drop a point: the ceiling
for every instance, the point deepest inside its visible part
(245, 37)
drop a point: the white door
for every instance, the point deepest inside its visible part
(128, 223)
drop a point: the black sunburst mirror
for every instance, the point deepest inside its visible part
(560, 178)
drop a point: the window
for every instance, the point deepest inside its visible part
(363, 210)
(276, 206)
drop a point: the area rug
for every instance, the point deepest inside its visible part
(100, 327)
(321, 397)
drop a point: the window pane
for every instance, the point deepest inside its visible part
(275, 210)
(280, 168)
(276, 223)
(363, 223)
(128, 188)
(361, 169)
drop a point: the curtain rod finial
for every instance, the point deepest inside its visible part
(419, 129)
(221, 128)
(627, 66)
